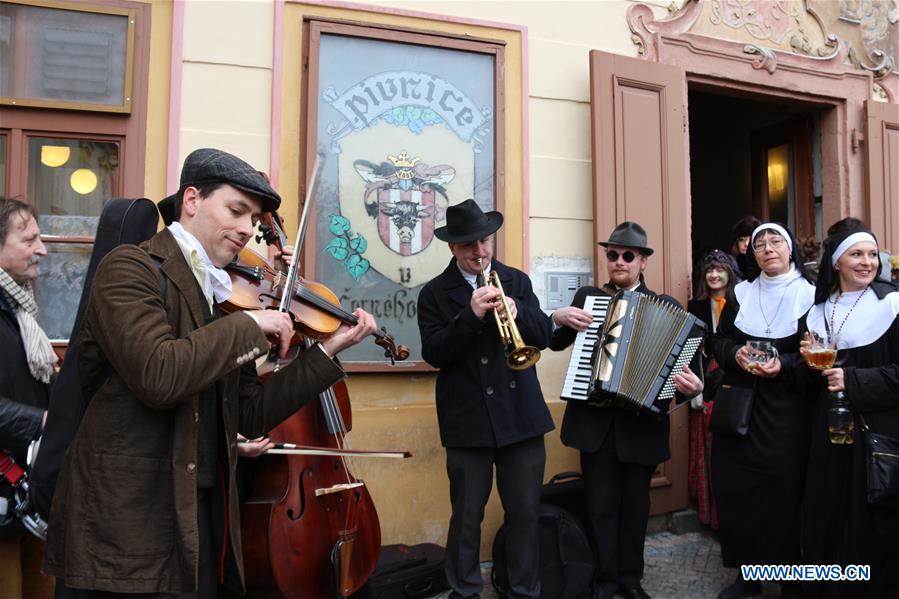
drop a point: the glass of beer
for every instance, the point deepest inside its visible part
(821, 353)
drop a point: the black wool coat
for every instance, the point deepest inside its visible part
(639, 438)
(481, 402)
(17, 384)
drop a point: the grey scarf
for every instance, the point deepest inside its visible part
(38, 350)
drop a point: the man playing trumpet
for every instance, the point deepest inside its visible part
(489, 414)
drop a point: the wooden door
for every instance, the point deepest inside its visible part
(882, 142)
(788, 176)
(640, 173)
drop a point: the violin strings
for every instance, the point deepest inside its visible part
(319, 301)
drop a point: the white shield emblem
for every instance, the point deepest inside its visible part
(406, 219)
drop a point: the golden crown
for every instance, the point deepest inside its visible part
(403, 160)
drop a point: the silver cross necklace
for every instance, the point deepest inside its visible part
(776, 310)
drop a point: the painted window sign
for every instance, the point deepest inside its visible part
(400, 146)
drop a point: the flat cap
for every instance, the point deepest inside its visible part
(208, 165)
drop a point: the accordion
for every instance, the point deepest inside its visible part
(644, 342)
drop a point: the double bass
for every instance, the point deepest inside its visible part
(309, 528)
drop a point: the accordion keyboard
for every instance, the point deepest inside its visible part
(580, 367)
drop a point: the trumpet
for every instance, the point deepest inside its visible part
(518, 355)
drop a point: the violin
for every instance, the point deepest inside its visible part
(316, 313)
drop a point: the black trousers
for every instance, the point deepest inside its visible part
(617, 496)
(519, 478)
(208, 566)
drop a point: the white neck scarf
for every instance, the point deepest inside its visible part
(38, 350)
(867, 322)
(215, 282)
(770, 307)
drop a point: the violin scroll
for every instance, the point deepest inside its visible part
(392, 351)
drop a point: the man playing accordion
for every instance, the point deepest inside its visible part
(619, 448)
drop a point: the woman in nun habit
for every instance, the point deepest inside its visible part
(839, 526)
(758, 478)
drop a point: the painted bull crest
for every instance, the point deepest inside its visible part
(404, 205)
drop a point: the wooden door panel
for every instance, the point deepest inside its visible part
(640, 168)
(882, 142)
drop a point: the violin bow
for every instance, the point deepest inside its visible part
(293, 271)
(294, 449)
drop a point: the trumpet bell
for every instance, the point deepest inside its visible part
(523, 357)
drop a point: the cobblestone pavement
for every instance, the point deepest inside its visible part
(678, 566)
(688, 566)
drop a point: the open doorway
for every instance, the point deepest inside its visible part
(749, 156)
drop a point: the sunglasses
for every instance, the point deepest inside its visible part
(628, 256)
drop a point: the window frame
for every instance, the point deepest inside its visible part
(316, 26)
(127, 89)
(128, 129)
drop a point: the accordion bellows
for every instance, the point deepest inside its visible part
(645, 341)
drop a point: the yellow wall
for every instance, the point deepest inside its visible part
(227, 79)
(158, 99)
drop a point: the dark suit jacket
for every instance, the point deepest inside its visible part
(639, 439)
(702, 309)
(481, 402)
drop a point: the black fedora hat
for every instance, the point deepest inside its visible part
(208, 165)
(629, 234)
(467, 222)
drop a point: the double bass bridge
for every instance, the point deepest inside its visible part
(338, 488)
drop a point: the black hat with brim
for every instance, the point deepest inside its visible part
(208, 165)
(629, 234)
(466, 222)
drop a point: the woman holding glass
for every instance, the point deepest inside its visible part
(758, 474)
(716, 281)
(860, 316)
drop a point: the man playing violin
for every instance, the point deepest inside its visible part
(146, 501)
(490, 416)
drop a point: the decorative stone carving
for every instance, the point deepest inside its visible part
(783, 25)
(865, 33)
(871, 27)
(761, 20)
(643, 25)
(765, 57)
